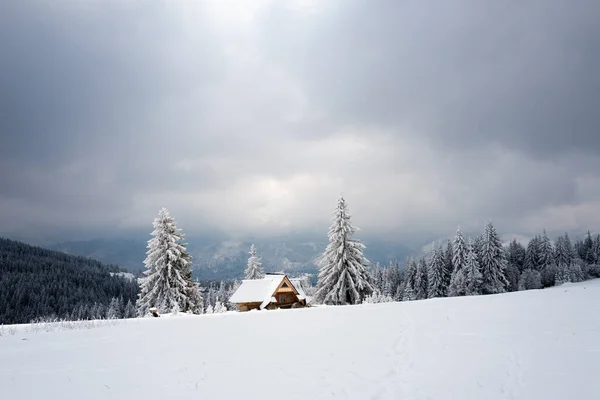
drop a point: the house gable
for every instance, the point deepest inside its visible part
(273, 291)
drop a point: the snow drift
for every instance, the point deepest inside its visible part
(541, 344)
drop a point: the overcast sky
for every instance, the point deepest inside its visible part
(253, 117)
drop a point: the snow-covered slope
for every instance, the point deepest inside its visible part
(528, 345)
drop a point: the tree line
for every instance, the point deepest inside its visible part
(484, 266)
(461, 267)
(38, 283)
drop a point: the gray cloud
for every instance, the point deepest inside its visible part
(252, 119)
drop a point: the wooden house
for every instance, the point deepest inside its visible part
(271, 292)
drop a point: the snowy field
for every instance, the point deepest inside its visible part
(529, 345)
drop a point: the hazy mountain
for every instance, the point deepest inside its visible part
(218, 258)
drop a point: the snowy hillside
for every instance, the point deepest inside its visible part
(526, 345)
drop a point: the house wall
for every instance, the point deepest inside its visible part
(248, 306)
(290, 298)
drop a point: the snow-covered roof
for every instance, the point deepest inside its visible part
(257, 290)
(298, 286)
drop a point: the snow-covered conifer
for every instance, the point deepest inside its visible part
(547, 262)
(459, 261)
(377, 297)
(530, 279)
(448, 266)
(254, 269)
(167, 282)
(129, 310)
(473, 275)
(410, 277)
(343, 277)
(588, 250)
(435, 274)
(114, 310)
(597, 248)
(209, 309)
(532, 255)
(458, 283)
(399, 296)
(195, 304)
(516, 254)
(219, 307)
(377, 277)
(421, 283)
(492, 262)
(459, 251)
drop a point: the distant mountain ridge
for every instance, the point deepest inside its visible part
(217, 259)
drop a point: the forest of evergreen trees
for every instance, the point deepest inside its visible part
(38, 283)
(457, 268)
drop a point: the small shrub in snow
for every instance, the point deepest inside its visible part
(10, 331)
(219, 308)
(377, 297)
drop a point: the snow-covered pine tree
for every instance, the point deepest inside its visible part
(459, 261)
(167, 282)
(477, 245)
(530, 279)
(436, 274)
(473, 277)
(410, 277)
(399, 296)
(343, 277)
(130, 311)
(516, 254)
(219, 307)
(547, 262)
(448, 266)
(532, 255)
(568, 269)
(114, 309)
(195, 303)
(254, 269)
(597, 248)
(389, 282)
(377, 297)
(211, 296)
(377, 277)
(588, 250)
(421, 283)
(492, 262)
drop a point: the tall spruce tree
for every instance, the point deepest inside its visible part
(254, 269)
(597, 249)
(492, 262)
(459, 261)
(436, 274)
(343, 277)
(547, 262)
(410, 278)
(473, 277)
(532, 255)
(588, 254)
(421, 281)
(516, 254)
(167, 284)
(448, 266)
